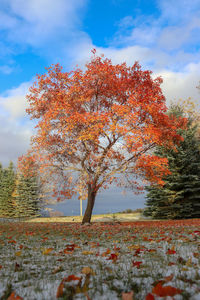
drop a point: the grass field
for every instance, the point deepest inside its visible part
(103, 261)
(95, 218)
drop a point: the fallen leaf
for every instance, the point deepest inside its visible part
(87, 252)
(196, 254)
(87, 296)
(127, 296)
(170, 251)
(106, 252)
(113, 257)
(164, 291)
(57, 269)
(150, 297)
(72, 277)
(12, 242)
(14, 296)
(47, 251)
(136, 263)
(169, 278)
(17, 267)
(87, 270)
(189, 262)
(60, 290)
(171, 263)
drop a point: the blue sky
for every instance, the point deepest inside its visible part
(163, 35)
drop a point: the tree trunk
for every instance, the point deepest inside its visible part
(90, 204)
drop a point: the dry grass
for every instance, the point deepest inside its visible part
(95, 218)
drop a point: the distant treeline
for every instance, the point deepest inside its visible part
(131, 211)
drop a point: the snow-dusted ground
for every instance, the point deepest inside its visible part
(100, 262)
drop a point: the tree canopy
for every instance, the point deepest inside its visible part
(98, 123)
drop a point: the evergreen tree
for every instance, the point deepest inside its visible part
(1, 186)
(7, 186)
(27, 196)
(180, 196)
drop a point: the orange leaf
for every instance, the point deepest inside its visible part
(47, 251)
(87, 270)
(87, 252)
(169, 278)
(106, 252)
(60, 290)
(127, 296)
(14, 296)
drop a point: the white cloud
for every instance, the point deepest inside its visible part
(14, 101)
(179, 11)
(15, 128)
(14, 139)
(177, 25)
(36, 22)
(181, 85)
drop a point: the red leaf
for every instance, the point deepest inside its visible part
(72, 277)
(169, 251)
(136, 263)
(164, 291)
(113, 257)
(149, 297)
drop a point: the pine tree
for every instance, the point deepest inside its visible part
(7, 187)
(180, 196)
(1, 191)
(27, 196)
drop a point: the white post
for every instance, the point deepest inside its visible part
(81, 207)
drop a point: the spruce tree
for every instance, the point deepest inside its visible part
(7, 187)
(27, 196)
(179, 198)
(1, 191)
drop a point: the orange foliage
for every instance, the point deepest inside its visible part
(98, 123)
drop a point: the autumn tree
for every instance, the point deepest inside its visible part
(98, 123)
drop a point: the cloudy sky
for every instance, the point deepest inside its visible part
(163, 35)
